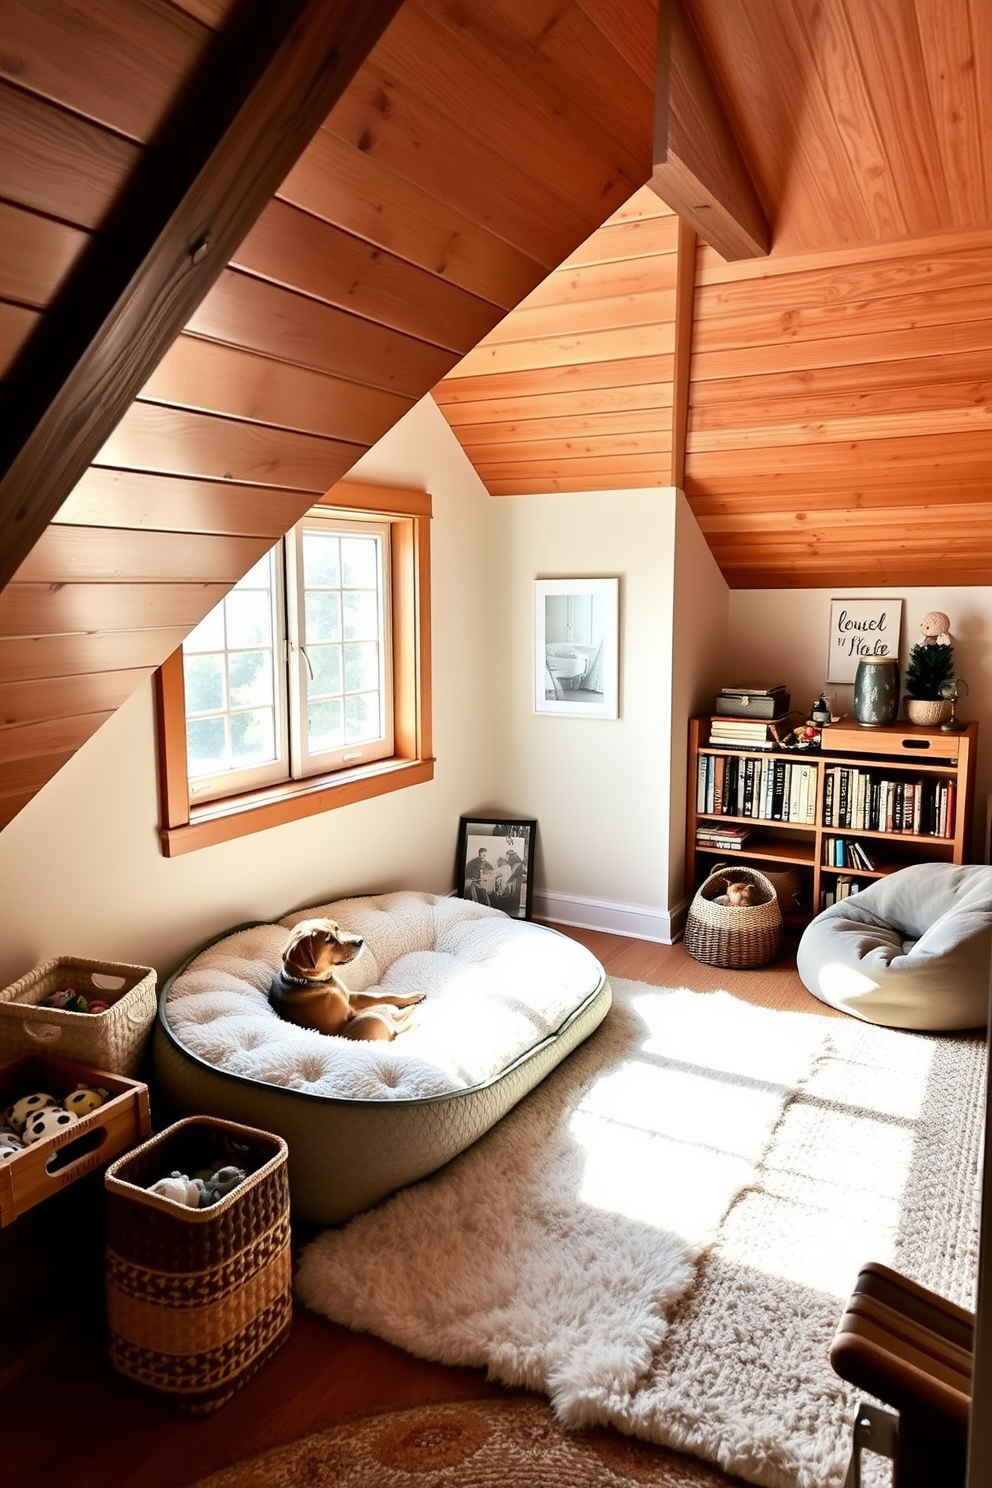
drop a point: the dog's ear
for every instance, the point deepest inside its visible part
(306, 948)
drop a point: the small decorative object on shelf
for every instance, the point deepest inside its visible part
(953, 691)
(930, 668)
(876, 690)
(819, 714)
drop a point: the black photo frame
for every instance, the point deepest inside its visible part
(495, 863)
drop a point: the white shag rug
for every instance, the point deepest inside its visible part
(661, 1237)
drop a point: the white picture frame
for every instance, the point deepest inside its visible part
(859, 628)
(577, 647)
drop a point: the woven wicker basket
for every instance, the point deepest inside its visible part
(735, 936)
(787, 883)
(114, 1040)
(198, 1299)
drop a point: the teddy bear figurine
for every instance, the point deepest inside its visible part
(936, 629)
(218, 1185)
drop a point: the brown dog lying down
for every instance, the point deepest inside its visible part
(308, 991)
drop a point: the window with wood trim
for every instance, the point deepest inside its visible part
(308, 686)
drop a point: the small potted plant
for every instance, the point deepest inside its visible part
(930, 669)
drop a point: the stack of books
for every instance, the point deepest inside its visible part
(723, 838)
(772, 789)
(870, 800)
(747, 733)
(838, 852)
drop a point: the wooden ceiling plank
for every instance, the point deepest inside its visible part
(562, 351)
(37, 255)
(119, 610)
(67, 555)
(119, 63)
(623, 472)
(933, 381)
(525, 453)
(901, 575)
(597, 424)
(824, 430)
(602, 281)
(625, 238)
(840, 351)
(289, 247)
(179, 441)
(137, 500)
(948, 55)
(36, 699)
(981, 37)
(698, 169)
(579, 377)
(650, 467)
(712, 269)
(57, 163)
(232, 139)
(24, 778)
(878, 519)
(784, 501)
(629, 401)
(531, 323)
(247, 312)
(213, 378)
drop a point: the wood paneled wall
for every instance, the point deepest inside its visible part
(573, 390)
(470, 154)
(840, 423)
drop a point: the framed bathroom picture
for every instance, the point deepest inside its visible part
(861, 628)
(495, 864)
(577, 647)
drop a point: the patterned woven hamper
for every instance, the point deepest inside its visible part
(198, 1299)
(114, 1040)
(734, 936)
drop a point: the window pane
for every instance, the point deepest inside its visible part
(326, 726)
(321, 563)
(204, 683)
(259, 577)
(249, 618)
(361, 614)
(209, 634)
(250, 678)
(253, 737)
(206, 747)
(326, 664)
(361, 667)
(361, 716)
(322, 616)
(360, 562)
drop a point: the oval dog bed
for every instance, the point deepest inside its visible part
(505, 1002)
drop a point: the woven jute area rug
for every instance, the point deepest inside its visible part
(661, 1237)
(480, 1444)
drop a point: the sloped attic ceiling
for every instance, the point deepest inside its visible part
(836, 417)
(470, 152)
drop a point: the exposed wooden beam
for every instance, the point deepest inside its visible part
(685, 291)
(698, 169)
(266, 85)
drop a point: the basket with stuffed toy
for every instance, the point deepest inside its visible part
(198, 1259)
(97, 1012)
(735, 920)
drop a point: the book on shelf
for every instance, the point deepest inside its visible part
(867, 799)
(731, 838)
(734, 731)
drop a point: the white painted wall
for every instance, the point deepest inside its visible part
(600, 788)
(782, 634)
(80, 868)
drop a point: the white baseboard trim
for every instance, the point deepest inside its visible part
(639, 921)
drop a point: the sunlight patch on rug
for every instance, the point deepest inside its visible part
(661, 1236)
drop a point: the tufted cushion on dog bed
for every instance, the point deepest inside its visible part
(506, 1000)
(910, 951)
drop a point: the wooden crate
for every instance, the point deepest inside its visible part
(90, 1143)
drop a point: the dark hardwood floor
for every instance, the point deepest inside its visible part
(69, 1419)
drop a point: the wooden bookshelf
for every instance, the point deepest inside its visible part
(920, 767)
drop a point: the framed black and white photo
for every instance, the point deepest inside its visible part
(860, 628)
(496, 863)
(576, 647)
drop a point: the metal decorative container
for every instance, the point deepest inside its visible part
(876, 690)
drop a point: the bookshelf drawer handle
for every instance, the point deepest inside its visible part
(916, 743)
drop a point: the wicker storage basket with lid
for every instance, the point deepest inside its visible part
(735, 936)
(198, 1299)
(113, 1040)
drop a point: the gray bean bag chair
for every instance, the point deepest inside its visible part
(913, 950)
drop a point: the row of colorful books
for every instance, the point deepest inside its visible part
(870, 801)
(838, 852)
(766, 789)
